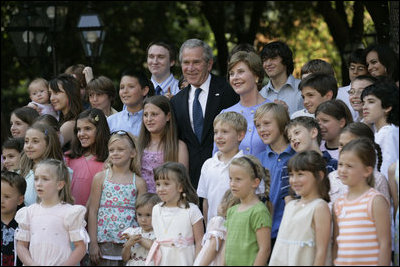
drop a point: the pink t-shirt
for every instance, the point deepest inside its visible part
(84, 171)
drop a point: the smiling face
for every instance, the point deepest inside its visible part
(86, 132)
(274, 67)
(357, 86)
(268, 129)
(301, 138)
(121, 152)
(242, 79)
(131, 92)
(375, 67)
(226, 138)
(35, 145)
(312, 98)
(11, 159)
(59, 100)
(154, 118)
(18, 127)
(158, 61)
(194, 67)
(303, 183)
(169, 190)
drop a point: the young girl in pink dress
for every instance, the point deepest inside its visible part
(88, 152)
(177, 220)
(46, 229)
(112, 200)
(158, 139)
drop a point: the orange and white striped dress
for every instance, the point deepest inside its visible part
(357, 240)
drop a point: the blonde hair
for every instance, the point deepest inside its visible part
(39, 80)
(255, 169)
(62, 175)
(228, 201)
(236, 120)
(280, 114)
(120, 135)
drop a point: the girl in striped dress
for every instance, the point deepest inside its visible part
(361, 217)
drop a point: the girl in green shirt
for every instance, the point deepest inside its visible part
(248, 224)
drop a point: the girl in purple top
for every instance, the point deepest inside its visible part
(158, 139)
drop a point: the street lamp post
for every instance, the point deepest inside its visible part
(92, 35)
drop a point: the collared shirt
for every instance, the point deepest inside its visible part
(334, 152)
(170, 82)
(214, 181)
(202, 98)
(125, 120)
(331, 163)
(288, 93)
(302, 112)
(279, 187)
(252, 143)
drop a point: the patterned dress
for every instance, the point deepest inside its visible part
(151, 160)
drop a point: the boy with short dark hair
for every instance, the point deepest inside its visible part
(304, 134)
(315, 89)
(13, 188)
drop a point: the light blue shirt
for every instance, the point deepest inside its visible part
(125, 120)
(251, 143)
(170, 82)
(289, 93)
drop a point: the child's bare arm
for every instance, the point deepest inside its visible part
(381, 215)
(77, 254)
(205, 210)
(393, 187)
(131, 241)
(211, 252)
(263, 235)
(23, 253)
(322, 227)
(198, 232)
(95, 194)
(335, 234)
(146, 243)
(141, 185)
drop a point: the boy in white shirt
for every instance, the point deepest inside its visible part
(229, 130)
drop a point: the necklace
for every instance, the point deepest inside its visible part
(304, 203)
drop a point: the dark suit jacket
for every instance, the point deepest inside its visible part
(220, 96)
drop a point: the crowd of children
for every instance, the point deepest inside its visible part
(83, 184)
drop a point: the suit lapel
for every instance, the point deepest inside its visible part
(213, 102)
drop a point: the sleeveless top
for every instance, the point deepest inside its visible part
(357, 239)
(117, 209)
(151, 160)
(296, 240)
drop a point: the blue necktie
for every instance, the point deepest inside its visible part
(158, 90)
(197, 115)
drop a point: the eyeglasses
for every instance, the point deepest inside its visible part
(352, 92)
(122, 133)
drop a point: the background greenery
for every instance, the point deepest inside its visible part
(313, 29)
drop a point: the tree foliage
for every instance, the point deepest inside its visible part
(313, 29)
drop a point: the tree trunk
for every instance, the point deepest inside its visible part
(394, 25)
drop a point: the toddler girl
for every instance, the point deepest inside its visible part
(158, 139)
(88, 152)
(112, 200)
(140, 239)
(177, 220)
(214, 240)
(46, 229)
(248, 240)
(305, 230)
(361, 217)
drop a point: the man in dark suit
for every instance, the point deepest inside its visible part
(196, 106)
